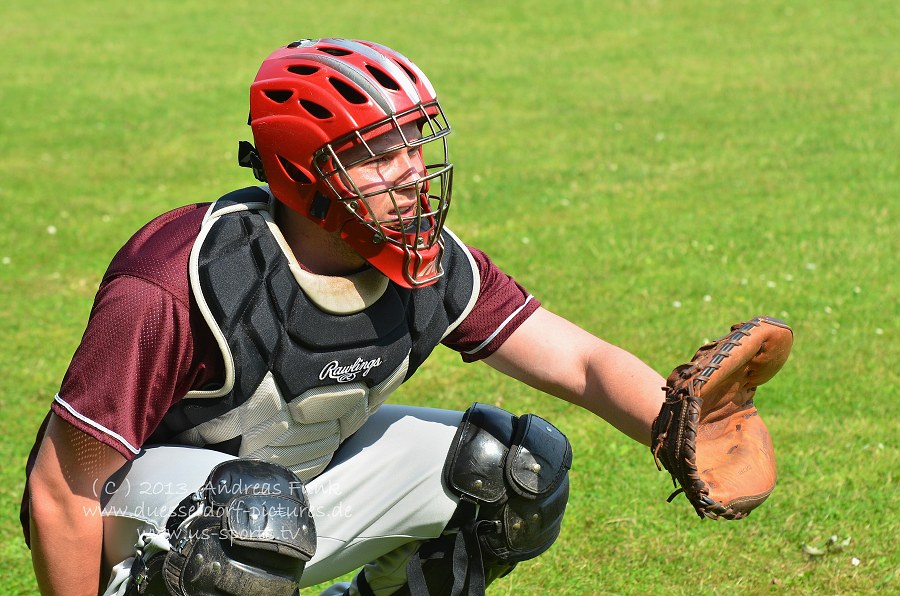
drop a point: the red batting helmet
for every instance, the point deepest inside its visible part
(314, 101)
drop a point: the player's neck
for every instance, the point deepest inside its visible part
(316, 250)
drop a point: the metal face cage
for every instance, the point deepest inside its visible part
(414, 229)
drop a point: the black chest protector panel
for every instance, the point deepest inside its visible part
(300, 380)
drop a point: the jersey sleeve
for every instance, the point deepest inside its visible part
(502, 306)
(134, 361)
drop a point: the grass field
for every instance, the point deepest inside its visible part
(653, 170)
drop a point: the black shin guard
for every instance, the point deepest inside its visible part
(511, 474)
(247, 532)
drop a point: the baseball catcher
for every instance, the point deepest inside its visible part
(229, 424)
(708, 434)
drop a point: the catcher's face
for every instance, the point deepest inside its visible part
(391, 180)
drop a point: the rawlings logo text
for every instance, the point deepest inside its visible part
(344, 374)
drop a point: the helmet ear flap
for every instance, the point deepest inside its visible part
(249, 158)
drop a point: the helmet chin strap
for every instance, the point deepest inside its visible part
(419, 225)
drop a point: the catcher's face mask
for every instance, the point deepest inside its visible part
(396, 182)
(350, 134)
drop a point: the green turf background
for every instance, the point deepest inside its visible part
(653, 170)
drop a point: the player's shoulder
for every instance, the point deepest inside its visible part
(460, 265)
(462, 257)
(159, 252)
(456, 252)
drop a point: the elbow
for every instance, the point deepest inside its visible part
(53, 505)
(45, 501)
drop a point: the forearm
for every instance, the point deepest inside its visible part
(623, 390)
(604, 379)
(66, 543)
(559, 358)
(66, 525)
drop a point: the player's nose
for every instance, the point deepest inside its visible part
(409, 165)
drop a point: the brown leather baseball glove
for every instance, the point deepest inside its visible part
(708, 434)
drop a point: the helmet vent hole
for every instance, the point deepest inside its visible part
(300, 69)
(347, 92)
(294, 172)
(407, 71)
(383, 78)
(315, 109)
(278, 96)
(335, 51)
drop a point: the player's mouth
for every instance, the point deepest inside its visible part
(403, 211)
(409, 220)
(407, 213)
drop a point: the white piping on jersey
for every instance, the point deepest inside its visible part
(500, 328)
(476, 284)
(96, 425)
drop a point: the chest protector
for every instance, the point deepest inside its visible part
(301, 374)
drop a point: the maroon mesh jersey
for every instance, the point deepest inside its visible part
(146, 343)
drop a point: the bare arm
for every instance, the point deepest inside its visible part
(553, 355)
(66, 527)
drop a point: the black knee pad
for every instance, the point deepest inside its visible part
(248, 531)
(515, 469)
